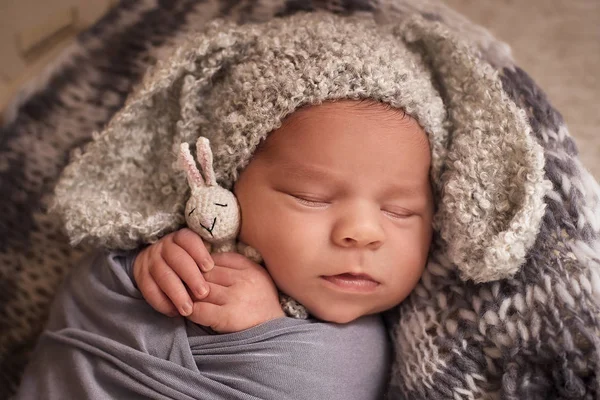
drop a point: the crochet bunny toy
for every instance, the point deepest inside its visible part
(213, 213)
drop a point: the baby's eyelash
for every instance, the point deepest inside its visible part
(308, 202)
(397, 215)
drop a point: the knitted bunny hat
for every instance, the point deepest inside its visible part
(235, 84)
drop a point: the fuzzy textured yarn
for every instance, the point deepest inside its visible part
(533, 335)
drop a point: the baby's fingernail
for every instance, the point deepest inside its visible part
(201, 291)
(186, 309)
(207, 264)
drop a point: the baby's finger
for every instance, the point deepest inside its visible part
(217, 295)
(221, 276)
(206, 314)
(233, 261)
(157, 299)
(172, 286)
(192, 243)
(186, 268)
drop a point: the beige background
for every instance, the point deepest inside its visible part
(558, 43)
(34, 32)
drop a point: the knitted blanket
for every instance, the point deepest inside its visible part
(534, 336)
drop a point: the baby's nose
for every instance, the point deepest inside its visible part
(359, 229)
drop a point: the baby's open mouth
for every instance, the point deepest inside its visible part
(352, 282)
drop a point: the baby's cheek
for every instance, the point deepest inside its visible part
(255, 224)
(411, 246)
(247, 235)
(265, 233)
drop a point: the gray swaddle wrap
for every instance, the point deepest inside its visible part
(104, 341)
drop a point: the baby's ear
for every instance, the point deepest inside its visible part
(188, 165)
(205, 158)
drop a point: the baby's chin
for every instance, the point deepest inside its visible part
(339, 315)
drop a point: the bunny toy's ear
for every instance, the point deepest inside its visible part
(187, 164)
(205, 158)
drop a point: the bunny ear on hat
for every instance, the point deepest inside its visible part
(491, 187)
(125, 187)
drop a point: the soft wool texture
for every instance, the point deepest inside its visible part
(531, 336)
(234, 85)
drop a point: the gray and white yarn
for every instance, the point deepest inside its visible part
(531, 336)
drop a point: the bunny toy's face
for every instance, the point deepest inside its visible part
(214, 214)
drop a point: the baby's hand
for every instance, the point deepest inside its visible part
(161, 269)
(242, 295)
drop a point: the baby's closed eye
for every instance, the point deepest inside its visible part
(396, 213)
(310, 201)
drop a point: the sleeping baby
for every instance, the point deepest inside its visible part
(323, 134)
(338, 235)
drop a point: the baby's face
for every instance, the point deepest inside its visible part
(338, 202)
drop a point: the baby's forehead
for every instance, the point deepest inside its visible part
(372, 118)
(347, 140)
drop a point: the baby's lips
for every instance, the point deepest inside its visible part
(353, 282)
